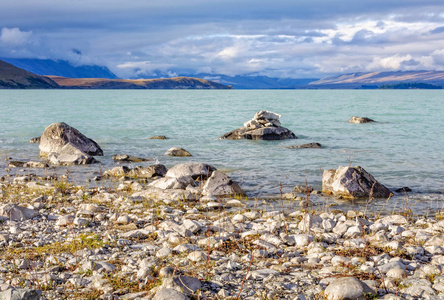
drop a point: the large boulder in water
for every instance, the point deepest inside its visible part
(352, 183)
(264, 126)
(58, 135)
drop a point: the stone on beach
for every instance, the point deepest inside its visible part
(347, 288)
(352, 183)
(264, 126)
(17, 213)
(219, 184)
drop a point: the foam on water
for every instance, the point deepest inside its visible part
(404, 148)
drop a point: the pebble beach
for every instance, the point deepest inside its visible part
(64, 241)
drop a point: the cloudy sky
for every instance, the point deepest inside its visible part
(281, 38)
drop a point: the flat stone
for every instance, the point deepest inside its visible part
(170, 294)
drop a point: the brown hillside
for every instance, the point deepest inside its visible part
(12, 77)
(164, 83)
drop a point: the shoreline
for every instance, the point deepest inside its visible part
(113, 244)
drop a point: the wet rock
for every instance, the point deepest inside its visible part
(172, 183)
(177, 151)
(58, 135)
(198, 171)
(347, 288)
(264, 126)
(305, 146)
(360, 120)
(352, 183)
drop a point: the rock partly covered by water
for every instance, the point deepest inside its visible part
(305, 146)
(352, 182)
(264, 126)
(177, 151)
(65, 145)
(360, 120)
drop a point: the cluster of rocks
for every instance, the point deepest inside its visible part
(265, 125)
(111, 244)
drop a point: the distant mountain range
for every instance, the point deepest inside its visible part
(12, 77)
(377, 79)
(62, 73)
(60, 68)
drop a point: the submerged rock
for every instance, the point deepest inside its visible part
(158, 137)
(305, 146)
(352, 182)
(57, 135)
(129, 158)
(177, 151)
(264, 126)
(360, 120)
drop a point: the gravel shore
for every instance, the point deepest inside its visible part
(61, 241)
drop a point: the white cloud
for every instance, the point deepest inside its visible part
(14, 37)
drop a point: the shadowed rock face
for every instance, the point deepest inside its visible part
(57, 135)
(353, 183)
(264, 126)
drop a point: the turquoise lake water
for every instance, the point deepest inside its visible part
(405, 147)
